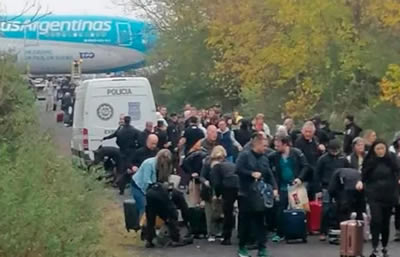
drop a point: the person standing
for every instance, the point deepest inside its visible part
(351, 132)
(290, 167)
(191, 135)
(253, 165)
(243, 135)
(370, 138)
(326, 167)
(148, 130)
(127, 137)
(396, 151)
(356, 158)
(380, 180)
(225, 183)
(210, 141)
(227, 139)
(260, 125)
(311, 148)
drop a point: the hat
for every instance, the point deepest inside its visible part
(334, 144)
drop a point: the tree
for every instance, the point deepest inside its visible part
(326, 55)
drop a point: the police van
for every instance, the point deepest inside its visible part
(98, 107)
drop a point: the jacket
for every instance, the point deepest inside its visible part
(351, 132)
(223, 176)
(143, 137)
(228, 141)
(193, 162)
(309, 149)
(249, 162)
(127, 138)
(344, 179)
(354, 162)
(174, 134)
(143, 154)
(146, 174)
(243, 136)
(380, 177)
(326, 167)
(208, 146)
(300, 165)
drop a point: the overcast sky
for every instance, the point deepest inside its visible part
(67, 6)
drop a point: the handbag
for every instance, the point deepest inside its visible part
(262, 197)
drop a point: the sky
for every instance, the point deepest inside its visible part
(98, 7)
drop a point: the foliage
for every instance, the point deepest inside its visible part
(390, 85)
(48, 208)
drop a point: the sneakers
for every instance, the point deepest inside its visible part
(385, 252)
(149, 245)
(263, 253)
(211, 239)
(277, 239)
(322, 238)
(226, 242)
(374, 253)
(242, 252)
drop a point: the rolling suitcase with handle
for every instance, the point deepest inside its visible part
(131, 215)
(197, 220)
(351, 238)
(295, 225)
(314, 217)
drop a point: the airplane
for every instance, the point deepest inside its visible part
(51, 44)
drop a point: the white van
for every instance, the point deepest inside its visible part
(98, 106)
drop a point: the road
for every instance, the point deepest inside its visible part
(127, 244)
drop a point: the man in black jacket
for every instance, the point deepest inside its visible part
(289, 166)
(351, 132)
(148, 151)
(149, 129)
(326, 167)
(127, 140)
(253, 165)
(312, 150)
(174, 132)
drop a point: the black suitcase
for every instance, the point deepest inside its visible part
(197, 220)
(131, 215)
(295, 225)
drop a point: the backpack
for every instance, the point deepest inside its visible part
(263, 196)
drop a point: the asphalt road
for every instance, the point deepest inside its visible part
(201, 248)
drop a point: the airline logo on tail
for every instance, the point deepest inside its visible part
(44, 27)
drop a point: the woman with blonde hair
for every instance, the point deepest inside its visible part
(225, 184)
(369, 139)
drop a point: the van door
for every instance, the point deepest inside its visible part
(124, 34)
(107, 104)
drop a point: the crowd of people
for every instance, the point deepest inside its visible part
(222, 157)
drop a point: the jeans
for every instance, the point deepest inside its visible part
(246, 218)
(229, 197)
(213, 227)
(380, 223)
(139, 197)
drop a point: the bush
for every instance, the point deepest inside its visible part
(47, 207)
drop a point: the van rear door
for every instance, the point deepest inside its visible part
(111, 99)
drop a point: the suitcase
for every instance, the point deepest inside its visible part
(314, 217)
(197, 220)
(295, 225)
(60, 117)
(131, 215)
(351, 238)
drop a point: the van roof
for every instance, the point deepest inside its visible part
(116, 79)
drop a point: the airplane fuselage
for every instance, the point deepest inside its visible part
(50, 44)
